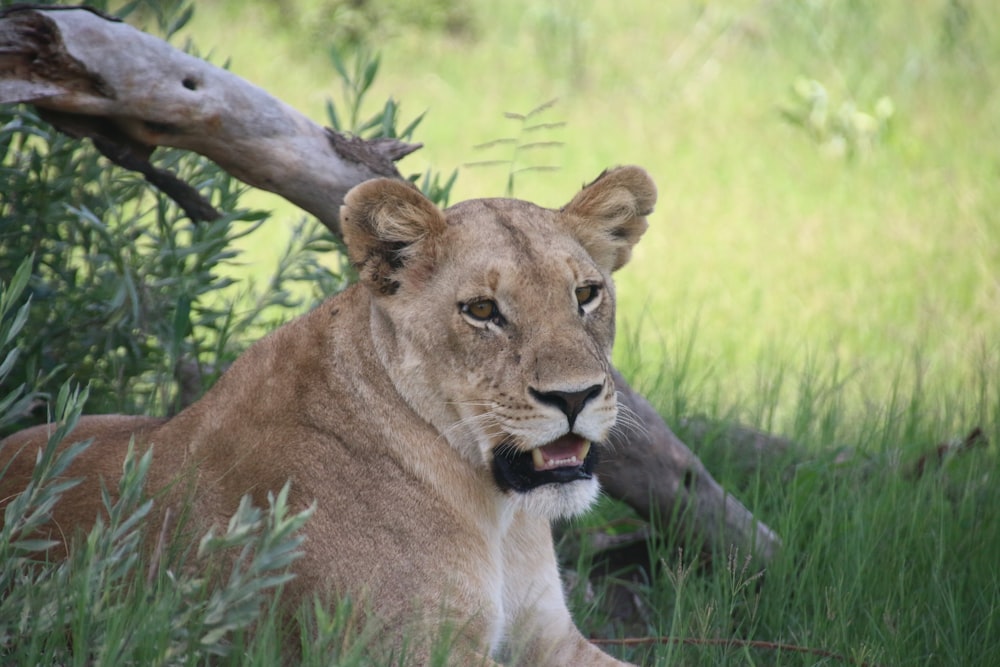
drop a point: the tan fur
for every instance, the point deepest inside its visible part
(383, 407)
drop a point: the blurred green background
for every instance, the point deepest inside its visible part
(829, 171)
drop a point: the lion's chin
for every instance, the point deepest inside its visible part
(554, 481)
(557, 501)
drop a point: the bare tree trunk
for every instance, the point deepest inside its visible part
(130, 92)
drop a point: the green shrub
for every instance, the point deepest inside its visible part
(125, 288)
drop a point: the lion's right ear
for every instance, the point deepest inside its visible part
(389, 227)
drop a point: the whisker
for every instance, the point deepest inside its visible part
(627, 424)
(506, 447)
(486, 423)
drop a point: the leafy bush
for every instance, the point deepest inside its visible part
(125, 288)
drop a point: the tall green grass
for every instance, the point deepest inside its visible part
(888, 553)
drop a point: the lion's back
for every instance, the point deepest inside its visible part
(102, 460)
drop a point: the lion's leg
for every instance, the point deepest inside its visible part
(540, 629)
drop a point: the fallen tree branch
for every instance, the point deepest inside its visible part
(122, 87)
(130, 92)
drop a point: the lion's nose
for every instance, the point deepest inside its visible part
(570, 403)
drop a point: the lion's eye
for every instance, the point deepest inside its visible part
(586, 294)
(483, 310)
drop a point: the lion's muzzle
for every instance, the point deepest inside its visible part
(566, 459)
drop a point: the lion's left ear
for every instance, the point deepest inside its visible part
(609, 215)
(389, 227)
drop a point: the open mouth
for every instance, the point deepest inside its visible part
(567, 459)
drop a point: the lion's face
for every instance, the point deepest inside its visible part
(495, 320)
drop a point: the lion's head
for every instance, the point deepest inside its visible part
(495, 320)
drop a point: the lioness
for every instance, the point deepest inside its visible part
(440, 414)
